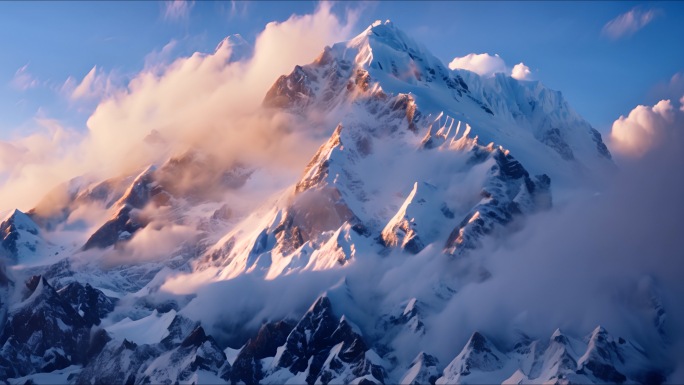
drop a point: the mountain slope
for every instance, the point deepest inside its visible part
(348, 275)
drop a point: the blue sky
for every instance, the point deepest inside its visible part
(50, 46)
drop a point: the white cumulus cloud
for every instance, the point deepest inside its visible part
(521, 72)
(643, 129)
(487, 65)
(482, 64)
(628, 23)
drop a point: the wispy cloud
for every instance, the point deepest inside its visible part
(629, 23)
(24, 80)
(238, 8)
(521, 72)
(162, 56)
(95, 85)
(177, 10)
(671, 88)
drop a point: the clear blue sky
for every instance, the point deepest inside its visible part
(562, 43)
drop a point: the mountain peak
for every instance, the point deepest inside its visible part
(378, 25)
(239, 47)
(381, 26)
(386, 34)
(378, 22)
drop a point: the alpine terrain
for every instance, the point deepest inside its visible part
(363, 270)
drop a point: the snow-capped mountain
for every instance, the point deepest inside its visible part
(422, 168)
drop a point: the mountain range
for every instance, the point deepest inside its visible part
(347, 276)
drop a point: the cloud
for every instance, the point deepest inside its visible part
(487, 65)
(591, 261)
(24, 80)
(482, 64)
(671, 89)
(95, 85)
(570, 266)
(521, 72)
(644, 129)
(202, 101)
(157, 241)
(10, 154)
(628, 23)
(598, 259)
(32, 165)
(238, 8)
(161, 57)
(177, 10)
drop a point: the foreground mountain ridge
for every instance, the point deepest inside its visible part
(424, 164)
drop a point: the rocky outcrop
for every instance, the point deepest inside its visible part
(126, 220)
(42, 333)
(508, 192)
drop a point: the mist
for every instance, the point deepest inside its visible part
(597, 259)
(210, 102)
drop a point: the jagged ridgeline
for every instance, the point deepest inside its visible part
(423, 166)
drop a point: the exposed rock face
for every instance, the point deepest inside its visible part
(182, 356)
(247, 367)
(327, 349)
(42, 333)
(423, 370)
(126, 221)
(509, 191)
(403, 229)
(91, 304)
(320, 348)
(289, 91)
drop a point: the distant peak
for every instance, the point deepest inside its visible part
(380, 22)
(240, 48)
(232, 40)
(21, 220)
(13, 214)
